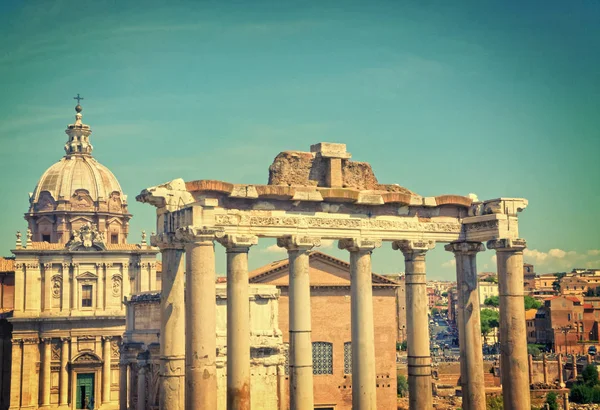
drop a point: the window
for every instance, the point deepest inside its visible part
(348, 358)
(569, 317)
(322, 353)
(114, 239)
(86, 296)
(45, 238)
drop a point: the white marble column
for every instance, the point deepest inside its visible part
(513, 336)
(238, 320)
(106, 352)
(45, 381)
(172, 323)
(300, 354)
(364, 393)
(469, 324)
(63, 384)
(16, 369)
(200, 318)
(417, 323)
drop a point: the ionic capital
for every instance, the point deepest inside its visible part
(507, 245)
(359, 244)
(298, 242)
(199, 234)
(65, 339)
(464, 247)
(166, 241)
(31, 341)
(413, 246)
(238, 243)
(46, 340)
(107, 338)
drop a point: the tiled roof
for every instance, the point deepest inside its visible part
(45, 246)
(7, 264)
(281, 264)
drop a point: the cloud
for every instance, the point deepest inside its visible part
(474, 197)
(327, 243)
(274, 249)
(560, 260)
(449, 264)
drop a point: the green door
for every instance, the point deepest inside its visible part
(85, 391)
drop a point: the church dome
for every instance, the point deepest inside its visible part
(77, 191)
(74, 174)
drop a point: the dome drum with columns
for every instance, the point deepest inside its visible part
(75, 191)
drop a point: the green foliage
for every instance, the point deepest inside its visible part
(556, 283)
(493, 301)
(580, 393)
(444, 294)
(590, 375)
(435, 311)
(403, 346)
(495, 403)
(551, 400)
(533, 349)
(531, 303)
(491, 279)
(490, 319)
(402, 386)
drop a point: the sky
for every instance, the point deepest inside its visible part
(495, 98)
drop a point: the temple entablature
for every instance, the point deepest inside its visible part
(332, 199)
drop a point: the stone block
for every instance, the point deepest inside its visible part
(330, 150)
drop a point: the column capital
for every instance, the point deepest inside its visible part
(16, 341)
(507, 245)
(46, 340)
(31, 341)
(166, 241)
(65, 339)
(193, 234)
(238, 243)
(464, 247)
(298, 242)
(413, 246)
(359, 244)
(107, 338)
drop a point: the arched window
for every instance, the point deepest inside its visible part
(348, 357)
(322, 353)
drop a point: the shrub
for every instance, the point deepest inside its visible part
(590, 375)
(581, 394)
(551, 401)
(495, 403)
(402, 386)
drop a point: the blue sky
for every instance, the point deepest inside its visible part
(492, 98)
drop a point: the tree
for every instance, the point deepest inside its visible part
(444, 294)
(531, 303)
(491, 279)
(493, 301)
(402, 386)
(556, 283)
(590, 375)
(551, 400)
(490, 319)
(435, 311)
(533, 350)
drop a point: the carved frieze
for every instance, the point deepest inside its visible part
(465, 247)
(507, 244)
(482, 226)
(359, 244)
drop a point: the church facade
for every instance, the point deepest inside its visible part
(72, 271)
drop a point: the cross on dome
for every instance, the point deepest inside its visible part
(78, 98)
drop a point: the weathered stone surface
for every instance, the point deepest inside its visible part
(209, 185)
(297, 168)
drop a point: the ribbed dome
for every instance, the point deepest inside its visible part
(76, 172)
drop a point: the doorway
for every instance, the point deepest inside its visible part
(85, 391)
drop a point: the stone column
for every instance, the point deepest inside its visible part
(238, 320)
(469, 324)
(561, 377)
(172, 323)
(417, 321)
(530, 365)
(545, 365)
(574, 366)
(364, 394)
(65, 297)
(45, 381)
(200, 318)
(123, 388)
(106, 352)
(513, 336)
(300, 355)
(63, 385)
(16, 369)
(102, 274)
(141, 387)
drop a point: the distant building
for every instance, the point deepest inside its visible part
(487, 290)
